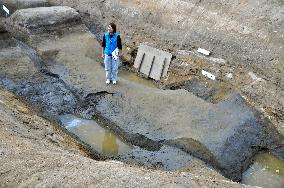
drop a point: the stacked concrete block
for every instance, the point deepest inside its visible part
(152, 62)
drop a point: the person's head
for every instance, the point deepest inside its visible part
(111, 28)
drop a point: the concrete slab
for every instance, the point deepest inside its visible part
(152, 62)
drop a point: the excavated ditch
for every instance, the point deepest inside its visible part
(48, 93)
(258, 135)
(53, 97)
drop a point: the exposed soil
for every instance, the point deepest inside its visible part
(51, 66)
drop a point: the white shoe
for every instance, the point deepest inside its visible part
(114, 82)
(107, 81)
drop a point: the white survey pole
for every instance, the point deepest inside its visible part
(6, 10)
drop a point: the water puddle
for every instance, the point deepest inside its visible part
(100, 139)
(130, 76)
(267, 171)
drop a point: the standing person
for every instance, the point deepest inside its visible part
(111, 42)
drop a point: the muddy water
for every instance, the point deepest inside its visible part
(267, 171)
(102, 140)
(130, 76)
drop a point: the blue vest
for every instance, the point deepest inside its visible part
(111, 43)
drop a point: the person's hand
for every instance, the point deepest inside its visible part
(103, 56)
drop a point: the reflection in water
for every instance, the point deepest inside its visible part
(109, 145)
(267, 171)
(100, 139)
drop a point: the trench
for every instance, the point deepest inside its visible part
(145, 152)
(100, 136)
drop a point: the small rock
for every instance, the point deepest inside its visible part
(208, 74)
(254, 77)
(22, 109)
(230, 75)
(26, 122)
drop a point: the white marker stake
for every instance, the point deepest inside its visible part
(209, 75)
(6, 10)
(205, 52)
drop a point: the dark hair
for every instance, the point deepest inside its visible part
(113, 26)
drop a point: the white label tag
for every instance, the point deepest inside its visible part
(203, 51)
(208, 74)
